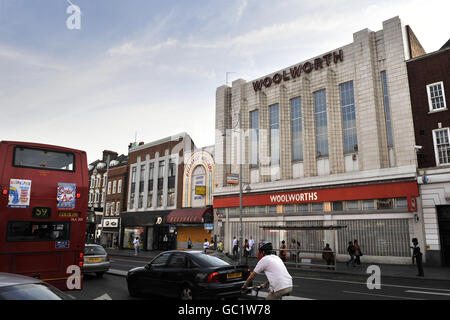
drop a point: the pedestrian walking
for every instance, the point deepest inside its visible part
(235, 247)
(292, 249)
(283, 251)
(189, 243)
(251, 244)
(136, 244)
(418, 256)
(351, 252)
(358, 252)
(246, 251)
(328, 255)
(220, 246)
(206, 245)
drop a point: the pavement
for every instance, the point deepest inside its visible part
(387, 270)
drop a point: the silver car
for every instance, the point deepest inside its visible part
(18, 287)
(96, 260)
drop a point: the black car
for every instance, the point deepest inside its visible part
(189, 275)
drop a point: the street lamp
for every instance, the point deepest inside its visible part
(241, 247)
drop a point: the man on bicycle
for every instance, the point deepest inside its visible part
(280, 281)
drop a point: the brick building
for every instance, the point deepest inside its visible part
(116, 203)
(429, 82)
(328, 141)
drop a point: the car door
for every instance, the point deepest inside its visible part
(174, 274)
(152, 279)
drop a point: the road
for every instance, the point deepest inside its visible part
(308, 284)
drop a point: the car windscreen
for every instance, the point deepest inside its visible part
(214, 259)
(94, 251)
(31, 291)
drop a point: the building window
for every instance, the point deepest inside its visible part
(272, 209)
(119, 186)
(161, 183)
(320, 111)
(289, 208)
(317, 206)
(297, 139)
(150, 185)
(387, 109)
(109, 187)
(401, 203)
(348, 117)
(436, 96)
(368, 205)
(141, 187)
(171, 184)
(352, 205)
(303, 207)
(107, 210)
(441, 146)
(254, 137)
(384, 204)
(114, 188)
(274, 134)
(338, 206)
(132, 187)
(117, 208)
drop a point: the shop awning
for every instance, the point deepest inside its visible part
(190, 215)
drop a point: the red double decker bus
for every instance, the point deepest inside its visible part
(43, 208)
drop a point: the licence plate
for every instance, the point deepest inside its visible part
(93, 259)
(234, 275)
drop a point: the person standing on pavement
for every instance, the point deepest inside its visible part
(358, 252)
(283, 251)
(251, 244)
(279, 279)
(206, 245)
(246, 251)
(220, 246)
(351, 252)
(189, 243)
(328, 255)
(235, 247)
(136, 246)
(418, 256)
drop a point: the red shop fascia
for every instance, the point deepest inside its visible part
(407, 190)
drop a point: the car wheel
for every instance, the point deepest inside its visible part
(133, 289)
(186, 293)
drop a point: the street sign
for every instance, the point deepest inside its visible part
(200, 190)
(232, 178)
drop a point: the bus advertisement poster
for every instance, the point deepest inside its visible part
(19, 193)
(66, 195)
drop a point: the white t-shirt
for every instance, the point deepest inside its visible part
(234, 242)
(136, 242)
(206, 245)
(276, 272)
(251, 242)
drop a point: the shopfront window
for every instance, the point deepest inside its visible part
(130, 234)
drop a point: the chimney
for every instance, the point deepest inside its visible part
(112, 155)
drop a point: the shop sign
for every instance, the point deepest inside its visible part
(110, 223)
(200, 190)
(233, 178)
(209, 226)
(296, 71)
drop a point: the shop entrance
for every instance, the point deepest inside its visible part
(443, 213)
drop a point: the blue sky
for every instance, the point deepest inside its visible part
(152, 67)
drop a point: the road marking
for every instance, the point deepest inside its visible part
(428, 292)
(263, 294)
(381, 295)
(365, 284)
(103, 297)
(117, 272)
(128, 260)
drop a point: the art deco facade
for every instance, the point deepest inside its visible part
(328, 141)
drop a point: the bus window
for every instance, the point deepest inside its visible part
(43, 159)
(37, 231)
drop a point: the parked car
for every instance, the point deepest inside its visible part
(18, 287)
(96, 260)
(188, 275)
